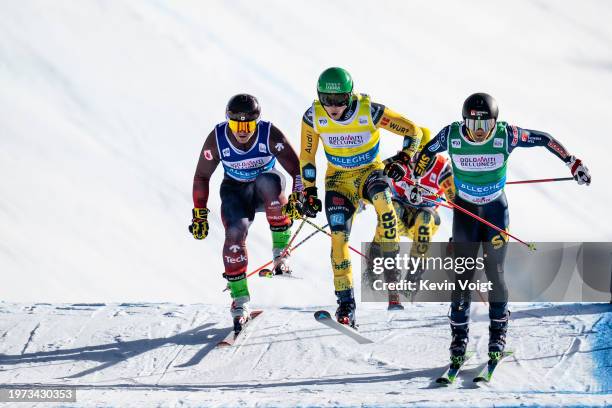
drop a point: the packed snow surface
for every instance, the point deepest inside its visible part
(165, 354)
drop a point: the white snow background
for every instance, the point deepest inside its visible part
(104, 106)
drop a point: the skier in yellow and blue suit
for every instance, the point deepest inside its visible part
(348, 124)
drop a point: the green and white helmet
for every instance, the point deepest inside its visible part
(335, 87)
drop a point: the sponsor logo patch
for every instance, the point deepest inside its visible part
(498, 142)
(226, 152)
(346, 140)
(363, 120)
(436, 146)
(208, 155)
(384, 121)
(262, 147)
(337, 201)
(322, 122)
(336, 219)
(456, 143)
(478, 162)
(279, 146)
(309, 174)
(332, 86)
(524, 136)
(514, 135)
(230, 260)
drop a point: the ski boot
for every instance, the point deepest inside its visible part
(345, 314)
(281, 264)
(281, 261)
(240, 312)
(497, 337)
(459, 343)
(394, 301)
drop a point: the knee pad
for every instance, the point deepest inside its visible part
(339, 210)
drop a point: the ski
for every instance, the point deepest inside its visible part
(269, 273)
(323, 316)
(395, 306)
(486, 374)
(451, 373)
(232, 339)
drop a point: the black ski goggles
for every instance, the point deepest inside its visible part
(335, 99)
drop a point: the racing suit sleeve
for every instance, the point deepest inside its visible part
(396, 123)
(518, 137)
(436, 145)
(447, 182)
(286, 155)
(207, 163)
(308, 151)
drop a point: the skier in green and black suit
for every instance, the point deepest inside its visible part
(479, 148)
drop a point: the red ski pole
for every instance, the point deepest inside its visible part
(452, 205)
(548, 180)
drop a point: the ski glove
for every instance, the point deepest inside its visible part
(397, 168)
(311, 204)
(294, 208)
(199, 223)
(414, 195)
(579, 171)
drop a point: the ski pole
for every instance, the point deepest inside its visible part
(452, 205)
(548, 180)
(330, 235)
(287, 248)
(292, 249)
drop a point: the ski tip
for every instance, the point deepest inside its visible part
(480, 379)
(443, 381)
(266, 273)
(395, 307)
(322, 314)
(256, 313)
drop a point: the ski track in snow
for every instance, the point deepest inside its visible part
(288, 359)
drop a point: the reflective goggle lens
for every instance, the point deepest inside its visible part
(484, 124)
(328, 99)
(242, 127)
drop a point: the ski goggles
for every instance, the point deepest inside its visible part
(334, 99)
(242, 127)
(485, 124)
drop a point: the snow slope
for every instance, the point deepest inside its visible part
(104, 107)
(134, 355)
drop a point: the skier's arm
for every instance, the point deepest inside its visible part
(209, 159)
(518, 137)
(445, 180)
(308, 151)
(399, 125)
(286, 155)
(436, 145)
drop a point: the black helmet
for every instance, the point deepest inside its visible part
(243, 108)
(480, 106)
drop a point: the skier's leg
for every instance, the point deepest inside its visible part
(425, 224)
(270, 193)
(237, 213)
(376, 190)
(495, 248)
(404, 219)
(339, 211)
(466, 242)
